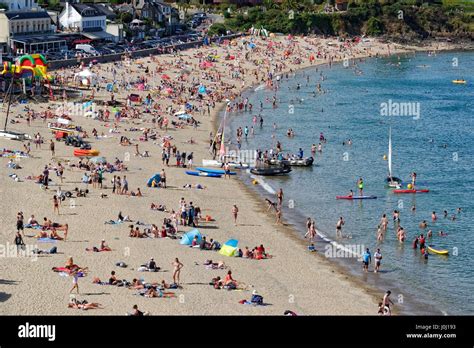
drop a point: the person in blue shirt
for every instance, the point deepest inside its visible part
(300, 153)
(366, 260)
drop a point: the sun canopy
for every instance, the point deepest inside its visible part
(188, 237)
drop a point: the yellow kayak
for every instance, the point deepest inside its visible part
(459, 82)
(439, 252)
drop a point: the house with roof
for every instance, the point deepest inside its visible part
(82, 18)
(16, 26)
(157, 11)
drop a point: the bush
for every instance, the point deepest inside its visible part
(217, 29)
(374, 27)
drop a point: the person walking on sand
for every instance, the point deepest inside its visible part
(56, 204)
(177, 270)
(163, 178)
(75, 282)
(377, 259)
(311, 230)
(124, 185)
(51, 147)
(386, 301)
(235, 212)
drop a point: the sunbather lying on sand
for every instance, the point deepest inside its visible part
(158, 207)
(84, 305)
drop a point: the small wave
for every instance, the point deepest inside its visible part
(259, 88)
(337, 245)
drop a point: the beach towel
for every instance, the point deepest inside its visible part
(112, 222)
(36, 227)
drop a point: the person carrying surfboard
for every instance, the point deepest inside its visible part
(360, 186)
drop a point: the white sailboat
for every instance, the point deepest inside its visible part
(223, 157)
(392, 181)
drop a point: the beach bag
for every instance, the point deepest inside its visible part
(53, 250)
(257, 299)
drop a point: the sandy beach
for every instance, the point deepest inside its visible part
(292, 279)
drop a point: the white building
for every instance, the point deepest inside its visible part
(81, 17)
(18, 25)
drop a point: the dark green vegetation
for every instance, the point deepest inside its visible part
(398, 19)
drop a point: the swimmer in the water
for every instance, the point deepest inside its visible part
(423, 224)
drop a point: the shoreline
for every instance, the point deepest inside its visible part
(293, 227)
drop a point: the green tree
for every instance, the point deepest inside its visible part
(288, 5)
(217, 29)
(374, 27)
(3, 6)
(126, 17)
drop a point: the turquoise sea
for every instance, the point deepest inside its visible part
(437, 143)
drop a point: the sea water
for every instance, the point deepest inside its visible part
(432, 126)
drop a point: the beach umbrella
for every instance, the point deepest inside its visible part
(98, 159)
(188, 237)
(229, 248)
(202, 89)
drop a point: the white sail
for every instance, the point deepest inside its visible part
(390, 152)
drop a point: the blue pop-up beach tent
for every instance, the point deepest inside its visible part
(156, 178)
(188, 237)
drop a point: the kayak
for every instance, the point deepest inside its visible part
(411, 191)
(459, 82)
(356, 197)
(214, 171)
(85, 153)
(436, 251)
(210, 175)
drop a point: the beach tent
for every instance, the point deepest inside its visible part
(229, 248)
(188, 237)
(156, 178)
(202, 89)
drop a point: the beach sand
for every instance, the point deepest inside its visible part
(292, 280)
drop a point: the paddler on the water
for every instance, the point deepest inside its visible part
(413, 180)
(360, 186)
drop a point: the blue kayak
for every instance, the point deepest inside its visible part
(356, 197)
(214, 171)
(210, 175)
